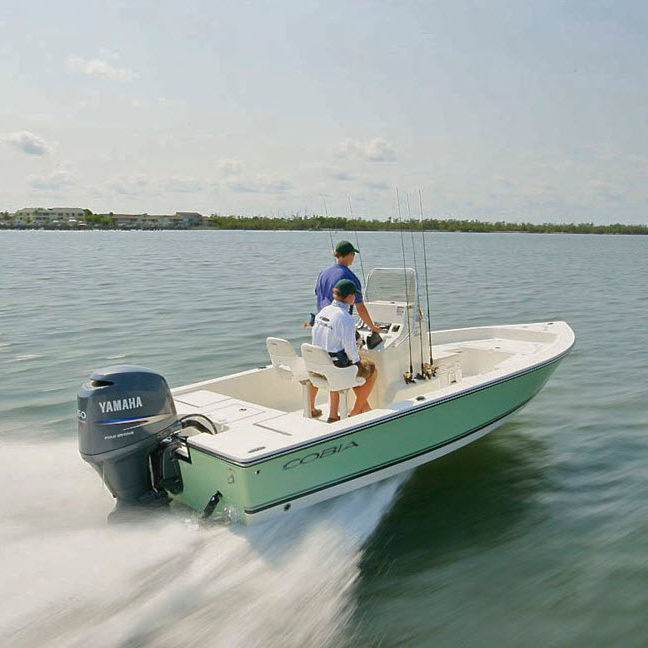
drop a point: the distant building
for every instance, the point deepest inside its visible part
(46, 215)
(190, 219)
(179, 220)
(131, 221)
(75, 218)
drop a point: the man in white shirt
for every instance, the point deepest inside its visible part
(334, 331)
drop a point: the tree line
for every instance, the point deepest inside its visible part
(314, 222)
(340, 223)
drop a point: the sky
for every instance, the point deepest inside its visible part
(513, 110)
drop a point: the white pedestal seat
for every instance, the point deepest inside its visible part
(285, 360)
(325, 375)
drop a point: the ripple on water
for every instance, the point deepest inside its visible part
(536, 535)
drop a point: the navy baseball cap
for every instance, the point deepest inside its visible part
(346, 287)
(345, 247)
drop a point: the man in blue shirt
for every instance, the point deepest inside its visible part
(344, 254)
(344, 257)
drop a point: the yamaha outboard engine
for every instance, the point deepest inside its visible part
(124, 413)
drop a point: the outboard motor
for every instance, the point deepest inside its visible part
(124, 413)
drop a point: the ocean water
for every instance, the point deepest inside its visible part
(535, 535)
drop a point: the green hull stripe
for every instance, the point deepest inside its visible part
(387, 419)
(388, 464)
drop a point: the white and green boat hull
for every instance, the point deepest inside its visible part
(251, 445)
(255, 489)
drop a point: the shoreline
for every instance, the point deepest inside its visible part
(313, 223)
(635, 230)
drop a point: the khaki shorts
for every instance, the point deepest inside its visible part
(366, 369)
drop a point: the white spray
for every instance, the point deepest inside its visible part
(70, 580)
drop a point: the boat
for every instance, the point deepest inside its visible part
(244, 447)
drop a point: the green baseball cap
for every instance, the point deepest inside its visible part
(344, 247)
(346, 287)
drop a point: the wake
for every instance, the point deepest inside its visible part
(169, 580)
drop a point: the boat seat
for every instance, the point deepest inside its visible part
(290, 366)
(325, 375)
(285, 360)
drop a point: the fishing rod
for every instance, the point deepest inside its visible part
(430, 371)
(329, 229)
(364, 281)
(421, 374)
(408, 375)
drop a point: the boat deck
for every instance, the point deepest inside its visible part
(252, 430)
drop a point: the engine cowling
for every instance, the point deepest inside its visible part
(124, 411)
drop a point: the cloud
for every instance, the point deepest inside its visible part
(504, 181)
(261, 185)
(100, 68)
(605, 191)
(40, 117)
(182, 185)
(169, 103)
(375, 150)
(227, 168)
(27, 142)
(54, 181)
(109, 54)
(341, 176)
(133, 185)
(139, 185)
(377, 185)
(162, 102)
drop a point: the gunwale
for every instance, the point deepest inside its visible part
(387, 418)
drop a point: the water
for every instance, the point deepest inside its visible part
(535, 535)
